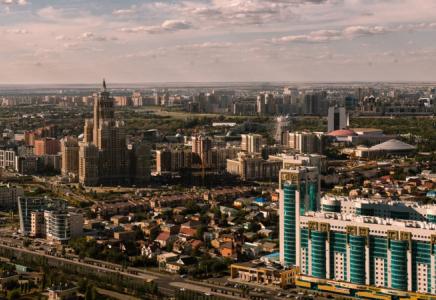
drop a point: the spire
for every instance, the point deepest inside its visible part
(103, 88)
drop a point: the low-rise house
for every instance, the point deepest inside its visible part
(270, 247)
(179, 219)
(164, 258)
(251, 249)
(266, 233)
(151, 250)
(164, 238)
(431, 194)
(269, 212)
(267, 225)
(129, 248)
(149, 228)
(233, 237)
(261, 201)
(254, 216)
(125, 235)
(119, 219)
(230, 249)
(192, 224)
(188, 231)
(171, 228)
(65, 291)
(179, 210)
(186, 263)
(8, 276)
(216, 243)
(228, 210)
(208, 236)
(182, 246)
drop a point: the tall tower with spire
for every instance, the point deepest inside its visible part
(105, 158)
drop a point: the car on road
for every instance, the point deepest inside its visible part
(207, 294)
(227, 284)
(182, 289)
(280, 294)
(184, 275)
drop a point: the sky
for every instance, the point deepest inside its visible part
(131, 41)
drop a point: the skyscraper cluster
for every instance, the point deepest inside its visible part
(104, 157)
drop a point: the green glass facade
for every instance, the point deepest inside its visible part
(289, 220)
(338, 244)
(318, 253)
(361, 211)
(421, 254)
(331, 208)
(304, 243)
(400, 215)
(399, 264)
(377, 249)
(357, 258)
(313, 192)
(431, 218)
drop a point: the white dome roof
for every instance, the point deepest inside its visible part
(394, 145)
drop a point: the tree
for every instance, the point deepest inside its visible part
(199, 232)
(15, 295)
(63, 252)
(196, 251)
(26, 243)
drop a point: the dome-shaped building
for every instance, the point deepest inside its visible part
(341, 135)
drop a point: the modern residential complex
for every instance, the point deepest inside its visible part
(335, 240)
(27, 205)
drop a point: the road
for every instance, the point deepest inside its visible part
(166, 283)
(115, 295)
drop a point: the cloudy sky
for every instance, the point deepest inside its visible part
(132, 41)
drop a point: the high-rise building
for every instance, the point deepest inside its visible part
(261, 105)
(70, 156)
(201, 146)
(251, 143)
(300, 191)
(46, 146)
(305, 142)
(104, 156)
(337, 118)
(9, 195)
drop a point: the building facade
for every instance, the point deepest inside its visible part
(299, 192)
(104, 157)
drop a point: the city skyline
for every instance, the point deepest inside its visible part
(216, 41)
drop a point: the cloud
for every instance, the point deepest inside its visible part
(168, 26)
(62, 38)
(124, 12)
(18, 31)
(14, 2)
(242, 13)
(349, 33)
(47, 53)
(89, 36)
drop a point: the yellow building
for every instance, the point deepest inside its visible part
(63, 292)
(261, 273)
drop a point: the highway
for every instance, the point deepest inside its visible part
(166, 283)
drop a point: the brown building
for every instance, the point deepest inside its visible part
(70, 156)
(46, 146)
(104, 156)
